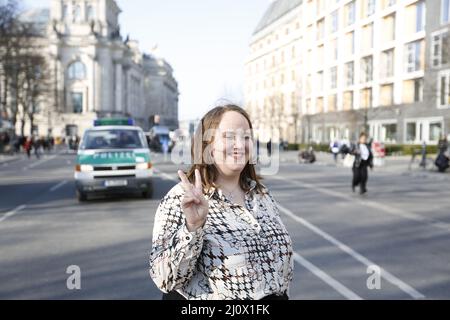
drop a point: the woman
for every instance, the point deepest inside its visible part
(363, 159)
(218, 233)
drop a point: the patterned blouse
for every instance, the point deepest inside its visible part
(240, 253)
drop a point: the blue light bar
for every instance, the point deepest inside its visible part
(114, 122)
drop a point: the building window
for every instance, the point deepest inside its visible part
(389, 132)
(332, 102)
(387, 64)
(90, 13)
(366, 98)
(386, 95)
(412, 90)
(387, 3)
(348, 100)
(440, 46)
(350, 43)
(418, 90)
(435, 131)
(445, 9)
(77, 71)
(334, 21)
(367, 39)
(414, 56)
(320, 54)
(293, 102)
(333, 78)
(335, 49)
(77, 13)
(371, 4)
(420, 16)
(308, 106)
(411, 131)
(349, 73)
(65, 12)
(320, 81)
(320, 29)
(366, 69)
(350, 13)
(444, 89)
(76, 99)
(368, 8)
(319, 105)
(388, 28)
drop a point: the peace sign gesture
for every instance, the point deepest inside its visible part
(194, 204)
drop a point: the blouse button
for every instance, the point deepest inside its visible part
(188, 238)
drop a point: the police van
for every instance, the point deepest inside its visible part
(113, 157)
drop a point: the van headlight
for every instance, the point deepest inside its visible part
(144, 166)
(84, 168)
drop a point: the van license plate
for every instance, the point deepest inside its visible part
(116, 183)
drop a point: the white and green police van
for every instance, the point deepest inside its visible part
(113, 157)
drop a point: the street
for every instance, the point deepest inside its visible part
(401, 228)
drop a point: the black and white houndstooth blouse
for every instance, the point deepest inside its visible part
(240, 253)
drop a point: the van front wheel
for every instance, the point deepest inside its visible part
(82, 197)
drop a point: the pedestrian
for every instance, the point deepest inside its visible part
(36, 143)
(442, 159)
(335, 149)
(363, 160)
(28, 144)
(443, 144)
(218, 233)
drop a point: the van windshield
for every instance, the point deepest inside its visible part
(112, 139)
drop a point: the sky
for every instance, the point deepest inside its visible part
(205, 41)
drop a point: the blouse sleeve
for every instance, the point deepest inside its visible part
(175, 250)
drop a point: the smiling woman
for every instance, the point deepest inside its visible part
(218, 233)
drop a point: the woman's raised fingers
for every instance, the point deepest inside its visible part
(183, 178)
(198, 180)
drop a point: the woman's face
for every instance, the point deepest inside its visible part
(362, 139)
(232, 144)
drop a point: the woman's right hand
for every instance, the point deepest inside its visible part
(194, 204)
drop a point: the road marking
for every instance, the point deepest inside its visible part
(336, 285)
(357, 256)
(165, 175)
(12, 212)
(368, 203)
(39, 162)
(59, 185)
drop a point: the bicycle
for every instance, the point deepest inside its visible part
(423, 162)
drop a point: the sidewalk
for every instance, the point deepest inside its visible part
(392, 164)
(4, 159)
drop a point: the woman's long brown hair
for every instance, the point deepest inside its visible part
(208, 171)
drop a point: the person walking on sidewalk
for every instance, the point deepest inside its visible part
(218, 234)
(335, 148)
(363, 160)
(28, 144)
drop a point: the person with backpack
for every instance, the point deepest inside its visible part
(363, 160)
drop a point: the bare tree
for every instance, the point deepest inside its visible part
(8, 44)
(26, 78)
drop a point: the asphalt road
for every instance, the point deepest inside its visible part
(400, 228)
